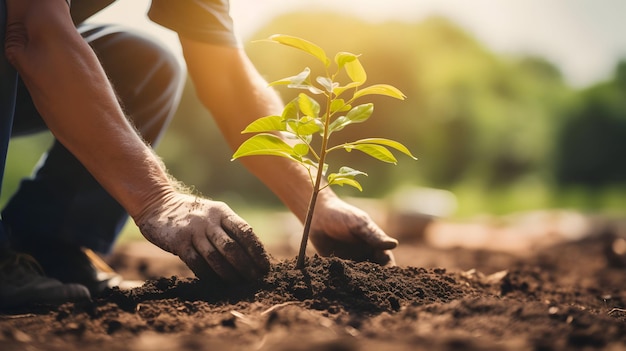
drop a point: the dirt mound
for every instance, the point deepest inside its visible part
(325, 284)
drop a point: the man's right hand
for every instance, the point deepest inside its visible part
(207, 235)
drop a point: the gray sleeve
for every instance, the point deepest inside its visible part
(203, 20)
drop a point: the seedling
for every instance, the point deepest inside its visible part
(290, 135)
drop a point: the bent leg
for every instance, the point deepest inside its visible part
(62, 202)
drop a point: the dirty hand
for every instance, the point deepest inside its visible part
(345, 231)
(207, 235)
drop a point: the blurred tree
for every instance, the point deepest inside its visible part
(591, 142)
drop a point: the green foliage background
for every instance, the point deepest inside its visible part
(503, 133)
(469, 114)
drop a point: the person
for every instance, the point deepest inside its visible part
(107, 94)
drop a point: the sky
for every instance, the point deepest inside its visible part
(584, 38)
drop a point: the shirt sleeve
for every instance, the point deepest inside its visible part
(203, 20)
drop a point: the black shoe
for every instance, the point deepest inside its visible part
(72, 264)
(23, 283)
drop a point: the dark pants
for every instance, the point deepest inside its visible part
(62, 202)
(8, 89)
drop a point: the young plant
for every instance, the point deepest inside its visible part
(303, 118)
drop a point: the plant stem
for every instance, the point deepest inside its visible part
(307, 226)
(316, 190)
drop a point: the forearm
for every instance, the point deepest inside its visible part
(233, 111)
(73, 95)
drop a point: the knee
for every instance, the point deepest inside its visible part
(133, 59)
(147, 77)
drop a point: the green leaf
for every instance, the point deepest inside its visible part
(339, 90)
(308, 106)
(303, 45)
(298, 79)
(357, 114)
(304, 126)
(380, 89)
(376, 151)
(360, 113)
(290, 111)
(338, 124)
(264, 144)
(355, 71)
(353, 67)
(335, 179)
(341, 58)
(339, 105)
(266, 124)
(391, 143)
(350, 172)
(301, 149)
(327, 83)
(313, 90)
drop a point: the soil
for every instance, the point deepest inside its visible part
(552, 295)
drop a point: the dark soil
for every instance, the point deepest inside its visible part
(570, 295)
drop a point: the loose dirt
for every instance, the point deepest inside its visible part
(568, 295)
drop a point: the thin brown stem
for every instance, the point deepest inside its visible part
(316, 190)
(307, 227)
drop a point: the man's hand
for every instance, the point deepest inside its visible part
(207, 235)
(345, 231)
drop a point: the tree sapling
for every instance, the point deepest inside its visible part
(290, 135)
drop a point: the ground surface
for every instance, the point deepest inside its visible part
(544, 294)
